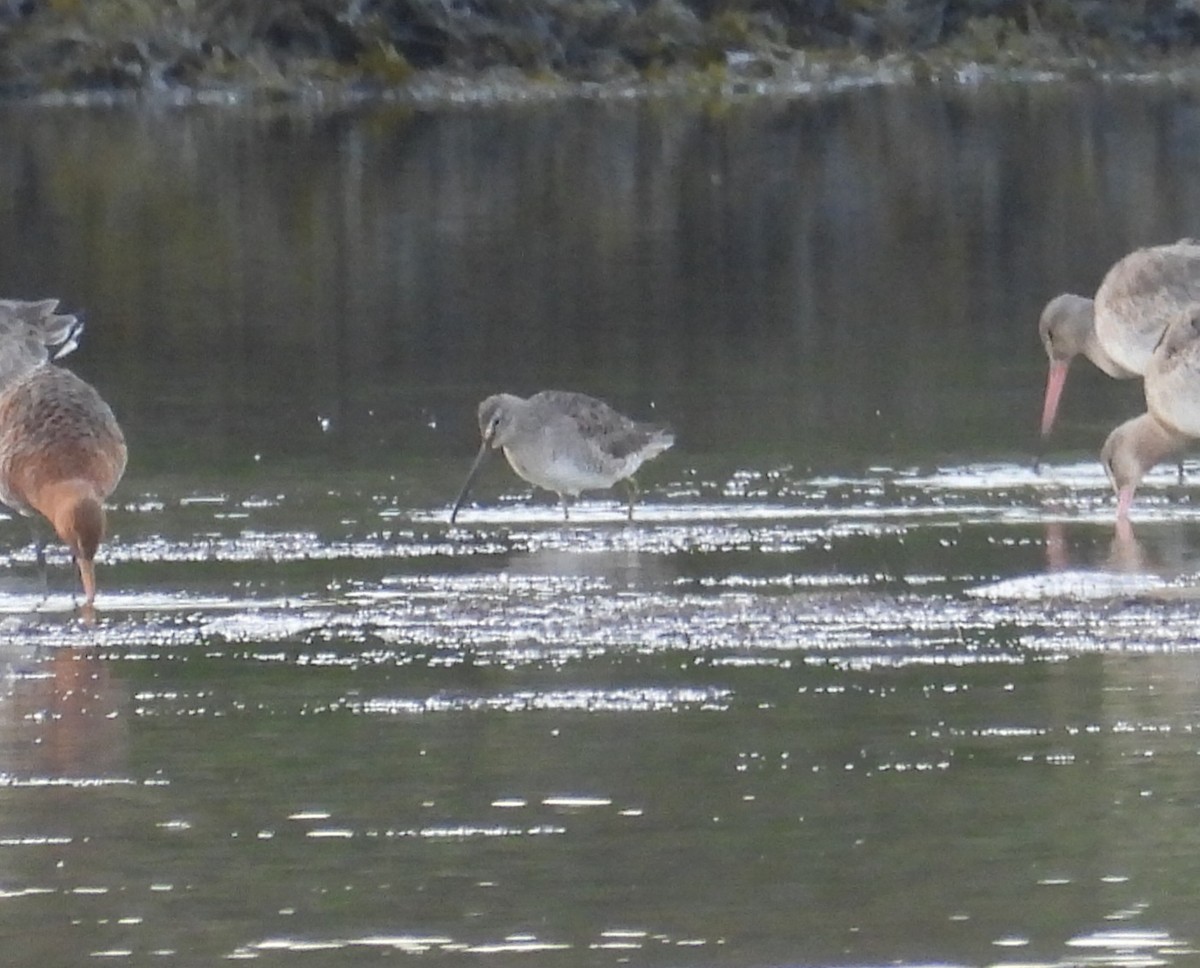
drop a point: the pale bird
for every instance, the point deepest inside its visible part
(566, 443)
(1119, 329)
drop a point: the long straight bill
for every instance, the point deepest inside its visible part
(1055, 381)
(462, 495)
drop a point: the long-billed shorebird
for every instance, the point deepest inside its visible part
(565, 442)
(62, 452)
(1119, 329)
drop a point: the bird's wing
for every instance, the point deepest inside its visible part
(603, 427)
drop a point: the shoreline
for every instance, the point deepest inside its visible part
(429, 53)
(508, 87)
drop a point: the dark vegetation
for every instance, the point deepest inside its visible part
(365, 45)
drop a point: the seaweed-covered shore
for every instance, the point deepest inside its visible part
(82, 48)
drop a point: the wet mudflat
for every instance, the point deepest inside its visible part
(856, 686)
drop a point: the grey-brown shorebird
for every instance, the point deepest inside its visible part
(566, 443)
(1172, 418)
(1119, 329)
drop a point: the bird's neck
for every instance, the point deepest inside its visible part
(76, 512)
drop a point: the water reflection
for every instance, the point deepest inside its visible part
(360, 279)
(851, 653)
(1125, 552)
(65, 719)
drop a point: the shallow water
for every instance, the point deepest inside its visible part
(856, 686)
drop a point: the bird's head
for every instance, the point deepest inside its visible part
(496, 418)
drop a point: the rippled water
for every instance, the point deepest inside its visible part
(938, 716)
(856, 686)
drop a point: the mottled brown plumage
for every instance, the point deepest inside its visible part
(61, 455)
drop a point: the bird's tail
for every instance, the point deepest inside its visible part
(39, 327)
(32, 334)
(661, 438)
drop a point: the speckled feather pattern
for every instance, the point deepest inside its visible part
(54, 427)
(1173, 376)
(1139, 297)
(613, 435)
(569, 442)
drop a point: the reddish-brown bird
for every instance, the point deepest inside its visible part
(61, 450)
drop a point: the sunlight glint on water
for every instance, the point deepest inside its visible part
(855, 687)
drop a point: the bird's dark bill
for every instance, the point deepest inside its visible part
(462, 495)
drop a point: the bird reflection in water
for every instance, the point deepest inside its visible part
(1124, 553)
(64, 719)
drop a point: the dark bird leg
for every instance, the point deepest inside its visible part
(39, 542)
(566, 513)
(1180, 467)
(39, 555)
(634, 491)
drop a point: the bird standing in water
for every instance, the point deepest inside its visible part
(1172, 418)
(565, 442)
(62, 452)
(1119, 329)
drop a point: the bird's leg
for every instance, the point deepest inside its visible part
(1180, 468)
(566, 513)
(1123, 537)
(632, 486)
(39, 542)
(39, 556)
(82, 583)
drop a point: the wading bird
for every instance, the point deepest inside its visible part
(1119, 328)
(565, 442)
(1172, 418)
(61, 450)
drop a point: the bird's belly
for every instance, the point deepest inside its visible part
(10, 499)
(10, 495)
(1175, 400)
(557, 472)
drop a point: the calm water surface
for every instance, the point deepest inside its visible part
(856, 686)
